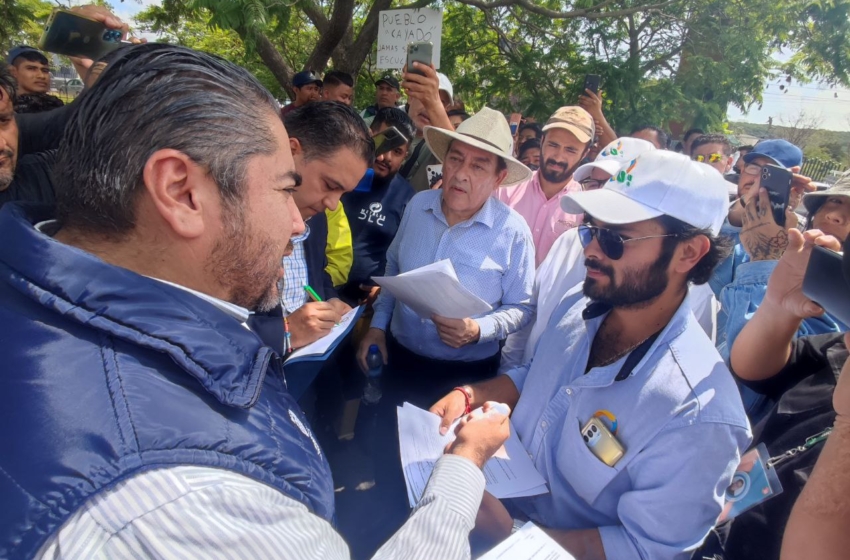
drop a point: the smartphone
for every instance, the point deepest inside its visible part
(514, 122)
(420, 51)
(435, 173)
(826, 284)
(602, 442)
(388, 140)
(777, 181)
(71, 34)
(591, 82)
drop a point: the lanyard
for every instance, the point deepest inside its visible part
(810, 442)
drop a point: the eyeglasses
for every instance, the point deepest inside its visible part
(591, 184)
(611, 242)
(710, 158)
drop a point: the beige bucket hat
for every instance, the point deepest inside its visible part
(486, 130)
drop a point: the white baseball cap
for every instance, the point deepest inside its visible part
(657, 183)
(614, 156)
(446, 85)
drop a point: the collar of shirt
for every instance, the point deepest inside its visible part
(237, 312)
(303, 237)
(484, 215)
(571, 186)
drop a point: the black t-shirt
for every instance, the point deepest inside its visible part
(803, 392)
(374, 218)
(33, 180)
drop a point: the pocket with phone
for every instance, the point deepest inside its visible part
(826, 284)
(777, 181)
(72, 34)
(388, 140)
(421, 52)
(602, 442)
(591, 82)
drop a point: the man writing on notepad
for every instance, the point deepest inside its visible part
(491, 249)
(626, 408)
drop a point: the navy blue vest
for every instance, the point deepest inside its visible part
(107, 374)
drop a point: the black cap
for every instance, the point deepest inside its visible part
(301, 79)
(390, 81)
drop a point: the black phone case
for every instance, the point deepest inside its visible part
(392, 140)
(825, 284)
(591, 82)
(777, 181)
(73, 35)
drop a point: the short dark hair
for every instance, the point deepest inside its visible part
(713, 139)
(8, 83)
(30, 56)
(538, 130)
(691, 132)
(458, 113)
(393, 116)
(153, 97)
(746, 148)
(325, 127)
(337, 77)
(529, 144)
(663, 137)
(720, 248)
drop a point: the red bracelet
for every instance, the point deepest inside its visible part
(467, 397)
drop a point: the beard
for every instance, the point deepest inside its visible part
(7, 169)
(561, 176)
(247, 264)
(638, 287)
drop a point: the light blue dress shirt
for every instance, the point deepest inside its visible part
(493, 255)
(679, 418)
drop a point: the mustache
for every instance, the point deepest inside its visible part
(593, 264)
(553, 163)
(7, 152)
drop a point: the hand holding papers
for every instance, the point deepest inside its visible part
(320, 349)
(509, 473)
(434, 290)
(529, 543)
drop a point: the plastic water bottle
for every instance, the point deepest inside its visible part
(372, 393)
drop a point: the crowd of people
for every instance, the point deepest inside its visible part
(174, 233)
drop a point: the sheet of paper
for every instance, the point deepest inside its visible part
(322, 345)
(529, 543)
(509, 474)
(434, 289)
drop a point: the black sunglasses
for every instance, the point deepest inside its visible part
(611, 242)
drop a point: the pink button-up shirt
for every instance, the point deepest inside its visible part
(544, 216)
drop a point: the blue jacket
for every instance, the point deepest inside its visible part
(107, 374)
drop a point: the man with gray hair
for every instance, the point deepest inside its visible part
(163, 426)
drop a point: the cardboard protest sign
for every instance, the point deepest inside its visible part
(397, 28)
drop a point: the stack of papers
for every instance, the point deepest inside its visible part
(509, 474)
(529, 543)
(322, 348)
(434, 290)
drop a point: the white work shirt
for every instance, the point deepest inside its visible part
(563, 271)
(679, 417)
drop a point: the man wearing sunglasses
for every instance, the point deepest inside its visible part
(713, 149)
(626, 351)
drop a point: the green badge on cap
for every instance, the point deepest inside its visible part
(625, 176)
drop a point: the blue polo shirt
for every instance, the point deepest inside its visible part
(679, 417)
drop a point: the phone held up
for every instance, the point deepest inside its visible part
(516, 118)
(591, 82)
(388, 140)
(826, 284)
(421, 52)
(777, 181)
(71, 34)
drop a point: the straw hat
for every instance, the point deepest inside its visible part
(813, 201)
(486, 130)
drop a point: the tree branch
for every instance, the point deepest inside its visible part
(272, 58)
(341, 16)
(316, 15)
(593, 12)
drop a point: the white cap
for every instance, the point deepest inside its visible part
(657, 183)
(615, 155)
(446, 85)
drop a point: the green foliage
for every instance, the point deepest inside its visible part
(22, 22)
(828, 145)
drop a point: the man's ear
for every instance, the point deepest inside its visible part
(295, 146)
(689, 253)
(13, 70)
(180, 190)
(501, 177)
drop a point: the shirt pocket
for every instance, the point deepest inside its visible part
(585, 473)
